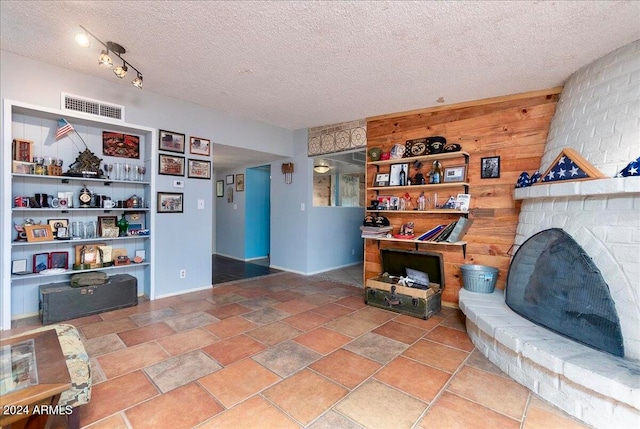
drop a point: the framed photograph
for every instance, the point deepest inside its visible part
(199, 146)
(170, 202)
(384, 202)
(239, 182)
(381, 179)
(455, 174)
(490, 167)
(40, 262)
(171, 142)
(19, 266)
(59, 260)
(229, 194)
(220, 188)
(62, 233)
(229, 179)
(22, 150)
(57, 223)
(394, 177)
(38, 232)
(199, 169)
(120, 145)
(171, 165)
(136, 222)
(106, 222)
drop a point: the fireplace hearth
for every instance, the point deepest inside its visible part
(554, 283)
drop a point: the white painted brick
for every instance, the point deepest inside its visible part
(593, 203)
(560, 189)
(620, 82)
(595, 410)
(625, 417)
(523, 378)
(536, 191)
(540, 375)
(625, 124)
(619, 202)
(631, 93)
(619, 235)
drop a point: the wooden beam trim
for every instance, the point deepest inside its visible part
(543, 92)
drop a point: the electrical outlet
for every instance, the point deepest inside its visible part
(178, 184)
(183, 274)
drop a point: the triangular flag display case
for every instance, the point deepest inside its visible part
(570, 165)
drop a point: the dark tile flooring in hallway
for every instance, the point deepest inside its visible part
(292, 351)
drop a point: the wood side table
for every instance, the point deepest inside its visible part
(32, 405)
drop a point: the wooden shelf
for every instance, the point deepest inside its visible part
(66, 179)
(72, 271)
(84, 240)
(436, 211)
(410, 160)
(462, 244)
(418, 187)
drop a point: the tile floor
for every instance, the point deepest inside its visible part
(289, 351)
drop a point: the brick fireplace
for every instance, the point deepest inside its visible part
(598, 115)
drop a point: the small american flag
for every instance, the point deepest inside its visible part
(64, 128)
(564, 169)
(632, 169)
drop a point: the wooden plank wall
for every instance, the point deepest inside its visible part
(514, 128)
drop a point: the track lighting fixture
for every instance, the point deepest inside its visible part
(121, 71)
(105, 60)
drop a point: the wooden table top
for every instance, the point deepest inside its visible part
(53, 375)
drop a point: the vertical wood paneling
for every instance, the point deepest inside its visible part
(514, 128)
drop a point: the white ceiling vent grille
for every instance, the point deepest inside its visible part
(92, 107)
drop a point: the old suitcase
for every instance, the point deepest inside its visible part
(60, 301)
(419, 301)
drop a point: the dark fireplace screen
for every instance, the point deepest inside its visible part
(555, 284)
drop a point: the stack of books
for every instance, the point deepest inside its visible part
(375, 231)
(449, 233)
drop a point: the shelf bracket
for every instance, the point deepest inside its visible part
(107, 183)
(65, 180)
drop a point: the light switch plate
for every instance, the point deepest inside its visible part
(178, 184)
(200, 204)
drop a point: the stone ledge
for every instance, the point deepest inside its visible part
(609, 186)
(496, 326)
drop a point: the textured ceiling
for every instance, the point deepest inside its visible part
(299, 64)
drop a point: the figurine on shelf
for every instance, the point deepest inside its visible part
(123, 226)
(422, 202)
(408, 205)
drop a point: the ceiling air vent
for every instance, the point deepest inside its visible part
(92, 107)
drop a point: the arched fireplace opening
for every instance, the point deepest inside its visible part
(554, 283)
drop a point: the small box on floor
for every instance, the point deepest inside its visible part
(392, 292)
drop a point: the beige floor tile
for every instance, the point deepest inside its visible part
(186, 341)
(346, 368)
(436, 355)
(146, 333)
(451, 337)
(351, 326)
(274, 333)
(414, 378)
(180, 370)
(333, 310)
(233, 349)
(375, 315)
(99, 329)
(181, 408)
(542, 415)
(322, 340)
(190, 321)
(492, 391)
(286, 358)
(131, 359)
(400, 332)
(230, 327)
(253, 413)
(376, 347)
(453, 412)
(238, 382)
(306, 321)
(319, 394)
(375, 405)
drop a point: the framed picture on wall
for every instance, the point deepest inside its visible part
(199, 169)
(228, 179)
(220, 188)
(170, 202)
(490, 167)
(171, 142)
(239, 182)
(199, 146)
(171, 165)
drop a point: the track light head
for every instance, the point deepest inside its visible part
(137, 82)
(121, 71)
(104, 59)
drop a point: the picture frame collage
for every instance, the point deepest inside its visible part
(175, 163)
